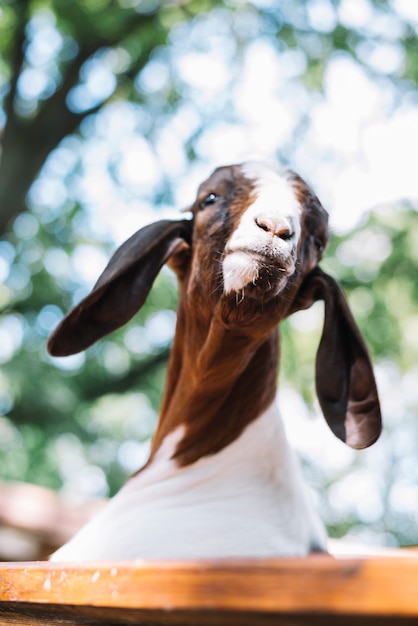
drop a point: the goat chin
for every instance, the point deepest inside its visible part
(221, 480)
(239, 269)
(254, 275)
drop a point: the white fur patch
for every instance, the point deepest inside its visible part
(276, 203)
(239, 269)
(247, 500)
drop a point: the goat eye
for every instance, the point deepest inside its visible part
(319, 245)
(210, 199)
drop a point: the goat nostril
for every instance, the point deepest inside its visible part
(264, 224)
(285, 234)
(278, 228)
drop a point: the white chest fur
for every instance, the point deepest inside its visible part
(247, 500)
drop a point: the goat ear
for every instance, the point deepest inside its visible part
(345, 382)
(122, 288)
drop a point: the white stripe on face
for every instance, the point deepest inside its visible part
(268, 231)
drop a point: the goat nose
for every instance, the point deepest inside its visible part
(279, 227)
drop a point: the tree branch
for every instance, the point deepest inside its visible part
(54, 121)
(129, 381)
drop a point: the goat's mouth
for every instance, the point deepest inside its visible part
(253, 274)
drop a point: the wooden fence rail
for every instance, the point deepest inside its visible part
(319, 591)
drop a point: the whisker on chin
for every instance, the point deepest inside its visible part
(238, 300)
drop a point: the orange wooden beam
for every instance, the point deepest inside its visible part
(379, 587)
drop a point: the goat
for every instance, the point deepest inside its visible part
(221, 480)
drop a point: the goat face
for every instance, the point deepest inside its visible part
(258, 231)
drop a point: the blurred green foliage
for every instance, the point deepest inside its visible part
(80, 424)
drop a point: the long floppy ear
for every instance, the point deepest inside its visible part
(345, 382)
(122, 288)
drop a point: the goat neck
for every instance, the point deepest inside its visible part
(218, 381)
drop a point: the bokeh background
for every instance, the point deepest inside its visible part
(111, 114)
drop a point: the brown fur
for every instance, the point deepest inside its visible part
(223, 367)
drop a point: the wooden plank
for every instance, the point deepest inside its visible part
(258, 591)
(36, 615)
